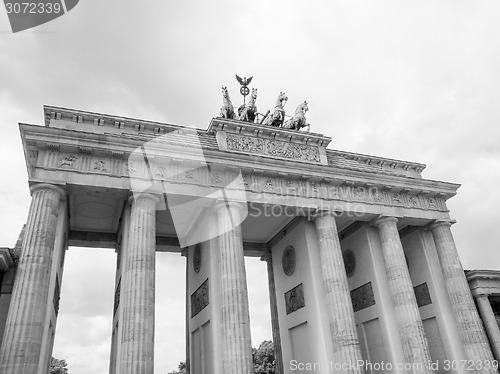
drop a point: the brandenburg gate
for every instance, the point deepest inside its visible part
(362, 266)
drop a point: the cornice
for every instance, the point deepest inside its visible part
(375, 164)
(482, 274)
(483, 282)
(53, 114)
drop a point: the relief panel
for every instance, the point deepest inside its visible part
(422, 294)
(199, 299)
(362, 297)
(294, 299)
(275, 148)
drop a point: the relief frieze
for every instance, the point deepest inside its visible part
(189, 175)
(278, 185)
(217, 179)
(32, 159)
(100, 166)
(276, 148)
(131, 168)
(68, 162)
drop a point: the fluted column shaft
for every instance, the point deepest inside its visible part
(490, 324)
(235, 316)
(278, 355)
(410, 326)
(22, 341)
(337, 295)
(470, 327)
(188, 316)
(138, 289)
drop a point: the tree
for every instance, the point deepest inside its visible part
(181, 367)
(263, 358)
(58, 366)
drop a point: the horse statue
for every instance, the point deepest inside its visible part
(227, 110)
(298, 121)
(248, 112)
(278, 117)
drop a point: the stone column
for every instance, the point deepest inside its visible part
(410, 326)
(278, 355)
(469, 324)
(22, 341)
(185, 254)
(337, 295)
(235, 316)
(490, 323)
(138, 289)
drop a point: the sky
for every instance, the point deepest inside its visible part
(410, 80)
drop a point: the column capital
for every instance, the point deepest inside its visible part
(221, 203)
(143, 195)
(439, 223)
(380, 220)
(47, 186)
(481, 295)
(319, 213)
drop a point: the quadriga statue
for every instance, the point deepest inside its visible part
(298, 121)
(227, 110)
(278, 116)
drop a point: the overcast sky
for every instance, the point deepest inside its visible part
(411, 80)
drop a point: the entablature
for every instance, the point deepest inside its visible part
(82, 147)
(484, 282)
